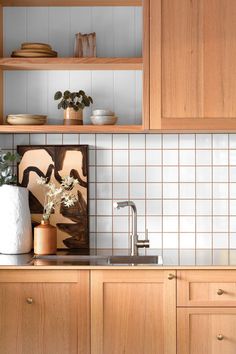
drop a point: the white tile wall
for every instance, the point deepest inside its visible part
(187, 203)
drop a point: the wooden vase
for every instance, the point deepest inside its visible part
(72, 117)
(45, 238)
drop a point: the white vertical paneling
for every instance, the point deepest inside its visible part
(103, 89)
(118, 29)
(37, 92)
(59, 30)
(57, 81)
(124, 32)
(81, 80)
(124, 96)
(14, 25)
(102, 24)
(15, 93)
(138, 31)
(80, 21)
(33, 92)
(37, 24)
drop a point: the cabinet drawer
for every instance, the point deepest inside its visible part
(206, 331)
(206, 288)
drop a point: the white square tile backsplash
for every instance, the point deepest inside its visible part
(184, 186)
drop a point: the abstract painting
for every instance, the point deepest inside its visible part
(54, 162)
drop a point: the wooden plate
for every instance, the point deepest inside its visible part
(36, 46)
(33, 54)
(26, 119)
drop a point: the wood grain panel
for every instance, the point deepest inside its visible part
(198, 330)
(57, 320)
(219, 58)
(182, 64)
(1, 73)
(199, 288)
(132, 312)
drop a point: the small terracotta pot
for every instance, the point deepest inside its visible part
(71, 117)
(45, 238)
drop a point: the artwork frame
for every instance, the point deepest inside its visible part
(54, 162)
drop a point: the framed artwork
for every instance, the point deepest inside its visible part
(54, 162)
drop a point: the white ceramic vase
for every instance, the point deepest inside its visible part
(15, 220)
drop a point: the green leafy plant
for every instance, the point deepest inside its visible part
(75, 100)
(7, 161)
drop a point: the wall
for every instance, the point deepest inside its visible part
(184, 187)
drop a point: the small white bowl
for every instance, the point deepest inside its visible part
(102, 112)
(103, 120)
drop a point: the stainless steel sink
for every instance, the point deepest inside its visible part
(135, 260)
(96, 260)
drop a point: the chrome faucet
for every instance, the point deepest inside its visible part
(135, 243)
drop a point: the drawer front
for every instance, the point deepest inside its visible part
(206, 331)
(206, 288)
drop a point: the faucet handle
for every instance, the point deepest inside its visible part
(144, 243)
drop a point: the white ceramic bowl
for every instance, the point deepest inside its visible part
(103, 120)
(102, 112)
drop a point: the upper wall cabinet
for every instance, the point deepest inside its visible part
(193, 65)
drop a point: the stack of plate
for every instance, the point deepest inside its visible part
(34, 50)
(103, 117)
(26, 119)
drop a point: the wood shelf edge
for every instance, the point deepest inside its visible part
(71, 63)
(71, 129)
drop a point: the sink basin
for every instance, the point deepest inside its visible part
(96, 260)
(140, 260)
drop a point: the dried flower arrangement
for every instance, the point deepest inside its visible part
(56, 196)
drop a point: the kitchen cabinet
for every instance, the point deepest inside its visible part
(44, 312)
(206, 314)
(133, 312)
(206, 331)
(192, 65)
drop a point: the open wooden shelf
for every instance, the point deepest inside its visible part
(71, 2)
(71, 63)
(71, 129)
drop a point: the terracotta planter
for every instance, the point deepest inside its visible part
(45, 238)
(71, 117)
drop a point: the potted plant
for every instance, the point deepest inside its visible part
(73, 104)
(15, 218)
(45, 235)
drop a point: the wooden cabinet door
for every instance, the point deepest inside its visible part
(44, 313)
(192, 64)
(206, 331)
(133, 312)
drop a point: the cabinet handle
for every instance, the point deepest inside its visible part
(220, 337)
(171, 276)
(220, 292)
(29, 300)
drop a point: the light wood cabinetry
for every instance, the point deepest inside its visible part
(44, 312)
(206, 331)
(133, 312)
(192, 64)
(206, 288)
(206, 315)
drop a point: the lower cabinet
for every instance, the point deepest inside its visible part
(206, 330)
(133, 312)
(44, 312)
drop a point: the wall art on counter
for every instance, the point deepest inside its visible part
(54, 163)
